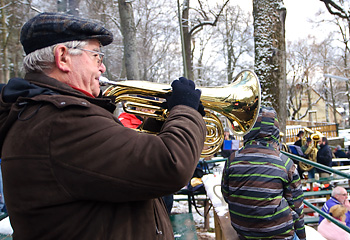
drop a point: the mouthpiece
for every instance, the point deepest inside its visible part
(103, 80)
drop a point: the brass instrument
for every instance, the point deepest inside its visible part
(312, 150)
(283, 145)
(239, 102)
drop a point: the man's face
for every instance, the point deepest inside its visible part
(342, 196)
(87, 68)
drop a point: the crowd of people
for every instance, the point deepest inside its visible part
(338, 205)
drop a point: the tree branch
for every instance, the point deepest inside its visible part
(340, 11)
(201, 24)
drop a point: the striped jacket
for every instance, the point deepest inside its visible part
(263, 189)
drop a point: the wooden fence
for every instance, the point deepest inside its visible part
(329, 130)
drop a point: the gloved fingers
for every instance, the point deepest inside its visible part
(175, 83)
(201, 109)
(198, 93)
(187, 82)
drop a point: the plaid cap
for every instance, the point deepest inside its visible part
(47, 29)
(266, 127)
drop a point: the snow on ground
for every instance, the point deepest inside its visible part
(210, 181)
(5, 226)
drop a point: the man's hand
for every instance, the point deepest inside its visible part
(184, 93)
(346, 204)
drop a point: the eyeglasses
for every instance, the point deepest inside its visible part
(98, 55)
(343, 194)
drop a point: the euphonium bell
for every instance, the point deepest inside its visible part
(238, 102)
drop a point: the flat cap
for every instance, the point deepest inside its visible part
(47, 29)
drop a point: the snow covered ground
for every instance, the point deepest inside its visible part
(210, 182)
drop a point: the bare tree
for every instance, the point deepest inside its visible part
(190, 28)
(12, 13)
(342, 19)
(5, 34)
(68, 6)
(157, 32)
(237, 38)
(128, 30)
(302, 64)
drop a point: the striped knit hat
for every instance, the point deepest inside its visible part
(266, 127)
(47, 29)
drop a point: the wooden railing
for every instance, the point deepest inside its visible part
(329, 130)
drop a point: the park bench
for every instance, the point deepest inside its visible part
(5, 237)
(183, 226)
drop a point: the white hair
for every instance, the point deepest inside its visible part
(43, 59)
(337, 190)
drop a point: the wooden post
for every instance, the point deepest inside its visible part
(218, 231)
(206, 214)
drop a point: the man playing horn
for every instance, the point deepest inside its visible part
(71, 170)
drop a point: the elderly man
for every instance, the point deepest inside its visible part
(262, 187)
(339, 196)
(71, 170)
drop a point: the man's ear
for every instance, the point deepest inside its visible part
(62, 58)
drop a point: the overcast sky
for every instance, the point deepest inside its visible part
(298, 14)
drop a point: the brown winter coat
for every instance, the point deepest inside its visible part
(72, 171)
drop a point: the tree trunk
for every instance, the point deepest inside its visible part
(128, 30)
(270, 57)
(62, 5)
(73, 7)
(68, 6)
(187, 38)
(4, 39)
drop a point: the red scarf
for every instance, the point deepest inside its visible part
(83, 91)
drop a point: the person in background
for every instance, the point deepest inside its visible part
(324, 156)
(348, 152)
(339, 196)
(262, 186)
(134, 121)
(227, 136)
(71, 170)
(331, 231)
(300, 136)
(339, 153)
(130, 120)
(306, 151)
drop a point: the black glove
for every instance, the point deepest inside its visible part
(153, 125)
(201, 109)
(184, 93)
